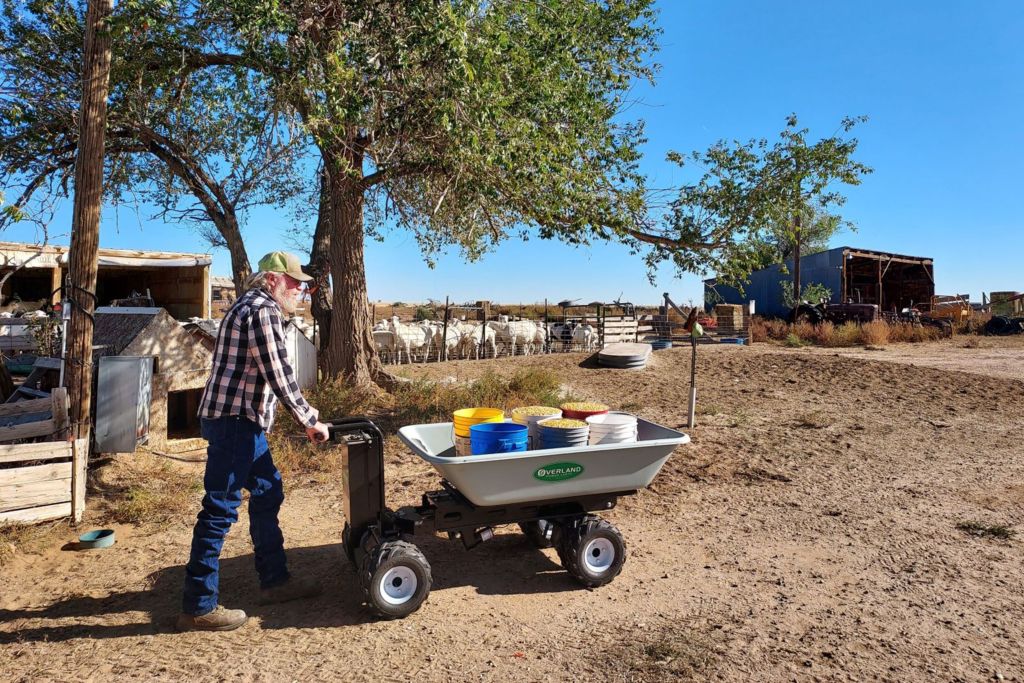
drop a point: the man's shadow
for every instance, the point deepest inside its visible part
(506, 565)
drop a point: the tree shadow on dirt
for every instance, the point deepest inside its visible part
(507, 565)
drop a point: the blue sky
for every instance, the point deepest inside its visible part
(942, 83)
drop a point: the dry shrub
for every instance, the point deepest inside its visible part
(758, 329)
(803, 331)
(875, 333)
(793, 341)
(847, 334)
(908, 332)
(764, 329)
(777, 329)
(823, 334)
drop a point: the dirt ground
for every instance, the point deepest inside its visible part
(809, 532)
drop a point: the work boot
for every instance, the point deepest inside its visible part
(292, 589)
(220, 619)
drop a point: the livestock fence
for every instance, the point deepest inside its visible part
(438, 331)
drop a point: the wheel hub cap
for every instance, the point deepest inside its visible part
(398, 585)
(599, 555)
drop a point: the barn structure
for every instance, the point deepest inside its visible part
(892, 281)
(33, 276)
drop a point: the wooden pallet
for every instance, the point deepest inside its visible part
(40, 481)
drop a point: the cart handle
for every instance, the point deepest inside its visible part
(356, 423)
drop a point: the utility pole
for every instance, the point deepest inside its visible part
(85, 222)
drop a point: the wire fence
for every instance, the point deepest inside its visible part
(475, 332)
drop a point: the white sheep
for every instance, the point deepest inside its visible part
(409, 338)
(384, 342)
(469, 343)
(584, 337)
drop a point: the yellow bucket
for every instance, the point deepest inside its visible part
(467, 417)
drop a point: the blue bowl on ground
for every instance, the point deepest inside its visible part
(498, 437)
(96, 539)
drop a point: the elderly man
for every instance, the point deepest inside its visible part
(251, 372)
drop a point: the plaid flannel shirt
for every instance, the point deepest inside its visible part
(251, 370)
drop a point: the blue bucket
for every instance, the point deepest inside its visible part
(563, 438)
(497, 437)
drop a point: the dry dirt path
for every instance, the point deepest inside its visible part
(808, 533)
(976, 355)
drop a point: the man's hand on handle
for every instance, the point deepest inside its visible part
(318, 433)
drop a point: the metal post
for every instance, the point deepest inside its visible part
(693, 383)
(444, 333)
(547, 329)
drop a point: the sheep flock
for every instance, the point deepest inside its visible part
(399, 342)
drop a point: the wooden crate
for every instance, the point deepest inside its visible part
(40, 481)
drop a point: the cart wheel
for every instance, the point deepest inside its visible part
(542, 533)
(592, 551)
(395, 578)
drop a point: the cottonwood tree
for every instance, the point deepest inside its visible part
(190, 130)
(752, 199)
(461, 121)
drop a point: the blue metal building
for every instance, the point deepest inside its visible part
(893, 281)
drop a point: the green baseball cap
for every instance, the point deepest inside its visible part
(283, 262)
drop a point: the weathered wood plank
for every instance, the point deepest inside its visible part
(33, 473)
(36, 514)
(80, 463)
(27, 431)
(35, 405)
(60, 413)
(34, 451)
(18, 496)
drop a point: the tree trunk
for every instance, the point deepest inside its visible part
(797, 225)
(350, 354)
(232, 234)
(85, 221)
(320, 269)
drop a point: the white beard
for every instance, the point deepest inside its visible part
(287, 302)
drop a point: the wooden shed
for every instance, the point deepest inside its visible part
(180, 370)
(177, 282)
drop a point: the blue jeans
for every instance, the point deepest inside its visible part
(237, 457)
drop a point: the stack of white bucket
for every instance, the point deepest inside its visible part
(612, 428)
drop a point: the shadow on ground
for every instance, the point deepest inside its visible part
(506, 565)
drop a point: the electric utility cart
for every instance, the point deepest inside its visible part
(551, 494)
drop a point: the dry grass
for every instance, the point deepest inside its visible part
(416, 402)
(154, 492)
(665, 653)
(981, 530)
(16, 538)
(874, 334)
